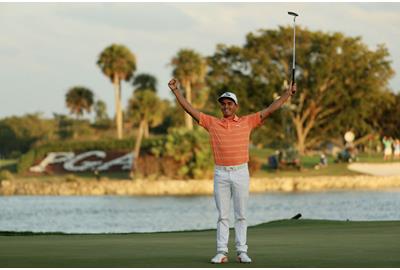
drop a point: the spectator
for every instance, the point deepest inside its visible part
(397, 149)
(387, 142)
(323, 161)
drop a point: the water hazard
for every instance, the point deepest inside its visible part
(114, 214)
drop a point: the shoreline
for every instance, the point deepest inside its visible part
(79, 187)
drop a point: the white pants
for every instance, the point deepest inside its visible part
(231, 182)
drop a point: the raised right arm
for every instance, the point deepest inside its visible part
(174, 86)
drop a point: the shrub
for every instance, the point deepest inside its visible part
(192, 150)
(180, 154)
(19, 133)
(6, 175)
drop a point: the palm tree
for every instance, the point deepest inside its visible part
(145, 81)
(100, 109)
(118, 63)
(189, 69)
(146, 108)
(79, 99)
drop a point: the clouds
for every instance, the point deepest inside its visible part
(46, 48)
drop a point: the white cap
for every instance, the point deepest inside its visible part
(229, 95)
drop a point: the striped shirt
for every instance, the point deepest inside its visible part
(230, 138)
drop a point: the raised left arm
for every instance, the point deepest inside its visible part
(279, 102)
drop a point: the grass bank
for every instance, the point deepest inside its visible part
(286, 243)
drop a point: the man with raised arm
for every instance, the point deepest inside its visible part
(230, 138)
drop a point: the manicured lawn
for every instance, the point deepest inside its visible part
(308, 165)
(8, 164)
(287, 243)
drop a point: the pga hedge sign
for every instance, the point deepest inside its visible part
(84, 162)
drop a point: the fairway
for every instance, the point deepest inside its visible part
(286, 243)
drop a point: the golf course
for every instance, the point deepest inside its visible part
(146, 134)
(283, 243)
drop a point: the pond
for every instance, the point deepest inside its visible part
(120, 214)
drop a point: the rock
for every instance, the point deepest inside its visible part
(5, 183)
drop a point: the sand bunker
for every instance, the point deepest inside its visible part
(378, 169)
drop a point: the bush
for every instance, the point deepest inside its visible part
(73, 128)
(6, 175)
(180, 154)
(19, 133)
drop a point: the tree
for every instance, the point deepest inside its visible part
(118, 63)
(389, 119)
(340, 81)
(100, 109)
(146, 108)
(189, 68)
(172, 118)
(79, 99)
(19, 133)
(145, 81)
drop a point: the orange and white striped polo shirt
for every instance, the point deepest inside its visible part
(230, 139)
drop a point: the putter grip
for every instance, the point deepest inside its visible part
(293, 71)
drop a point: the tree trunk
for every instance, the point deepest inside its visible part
(304, 123)
(188, 117)
(301, 144)
(139, 138)
(363, 139)
(300, 134)
(118, 112)
(138, 143)
(146, 132)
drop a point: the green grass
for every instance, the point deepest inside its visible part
(109, 175)
(308, 163)
(8, 164)
(287, 243)
(331, 170)
(375, 158)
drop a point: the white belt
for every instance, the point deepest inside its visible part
(231, 168)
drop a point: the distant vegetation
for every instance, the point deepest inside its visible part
(342, 86)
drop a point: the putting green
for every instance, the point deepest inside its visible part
(286, 243)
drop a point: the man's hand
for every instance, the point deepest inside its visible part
(292, 89)
(173, 84)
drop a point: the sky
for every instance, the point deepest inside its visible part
(47, 48)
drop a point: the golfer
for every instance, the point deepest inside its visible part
(229, 139)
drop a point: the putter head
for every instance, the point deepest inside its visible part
(293, 13)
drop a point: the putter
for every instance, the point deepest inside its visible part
(294, 44)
